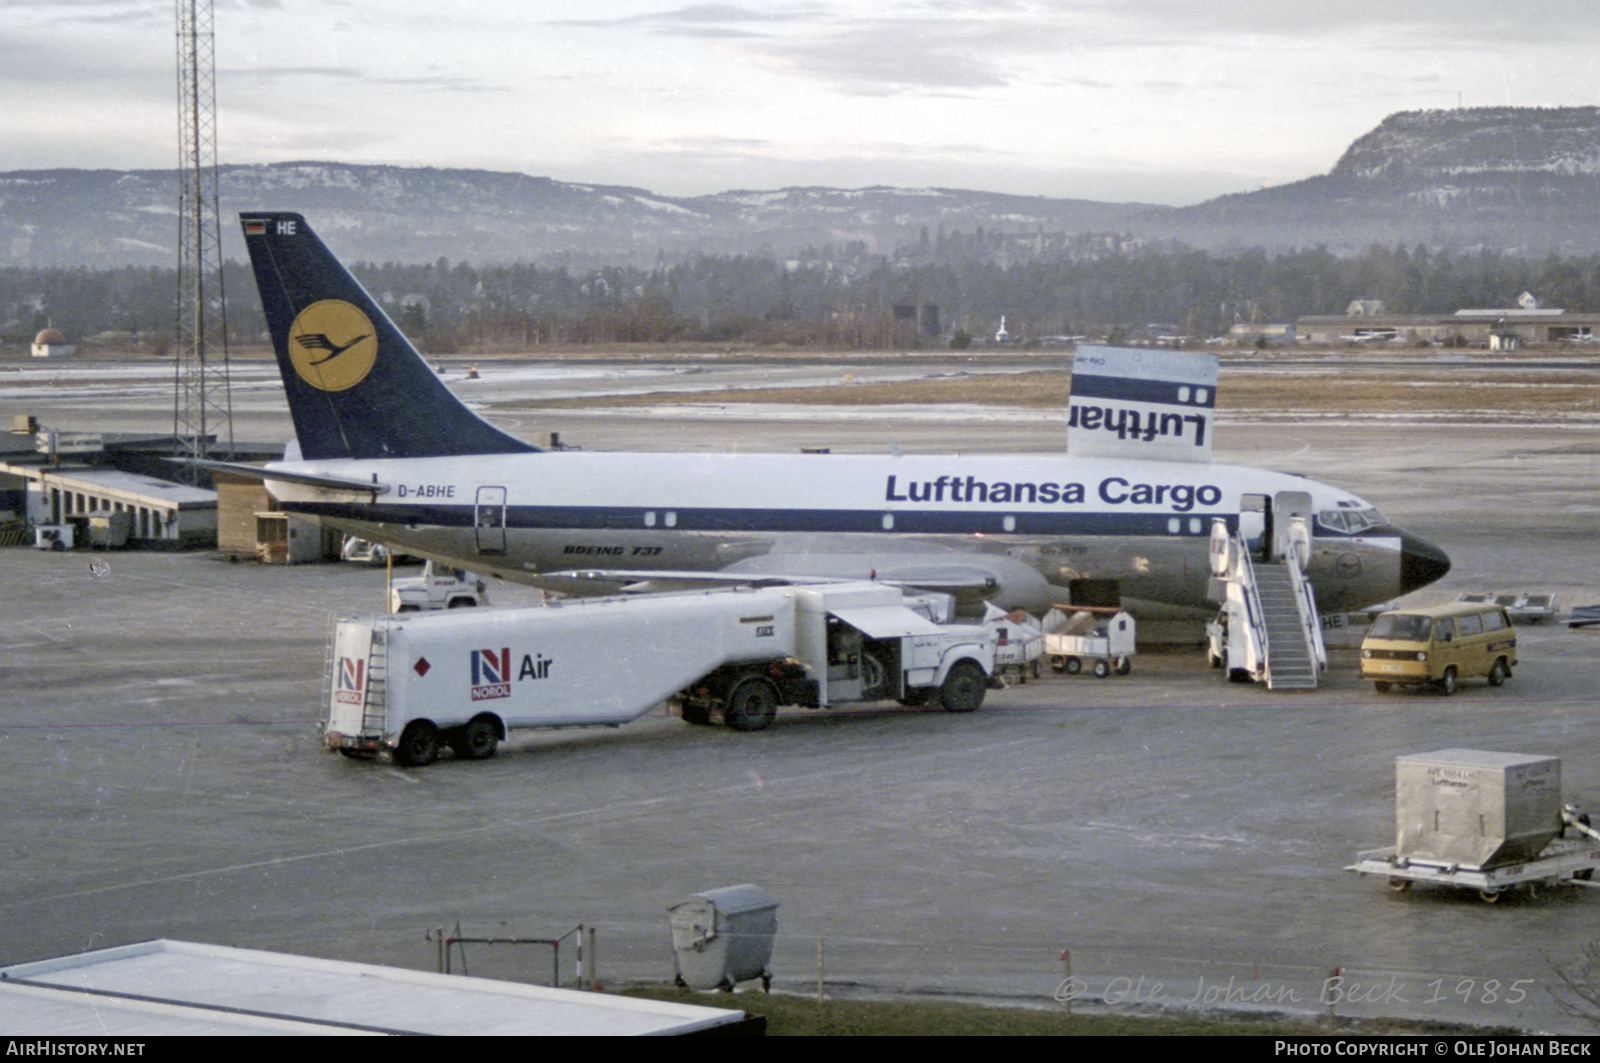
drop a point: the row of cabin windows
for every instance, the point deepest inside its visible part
(1175, 525)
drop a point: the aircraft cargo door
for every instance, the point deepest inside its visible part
(1287, 505)
(1266, 524)
(1255, 524)
(489, 519)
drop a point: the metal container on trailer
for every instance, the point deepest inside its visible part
(110, 529)
(1474, 808)
(722, 937)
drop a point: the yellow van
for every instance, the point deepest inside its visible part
(1439, 647)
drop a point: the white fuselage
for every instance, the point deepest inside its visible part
(1033, 523)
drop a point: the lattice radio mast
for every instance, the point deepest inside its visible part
(203, 408)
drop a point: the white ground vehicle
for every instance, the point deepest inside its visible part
(439, 587)
(405, 685)
(54, 536)
(363, 551)
(1107, 641)
(1021, 641)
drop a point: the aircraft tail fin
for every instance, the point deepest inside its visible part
(1137, 403)
(357, 388)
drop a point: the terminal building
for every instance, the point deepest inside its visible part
(65, 490)
(1504, 328)
(62, 483)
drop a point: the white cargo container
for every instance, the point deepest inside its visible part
(1476, 809)
(405, 685)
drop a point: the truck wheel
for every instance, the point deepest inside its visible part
(1498, 673)
(751, 705)
(1073, 666)
(1447, 682)
(1124, 666)
(418, 745)
(963, 687)
(1101, 669)
(477, 740)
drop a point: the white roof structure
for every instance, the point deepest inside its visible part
(177, 987)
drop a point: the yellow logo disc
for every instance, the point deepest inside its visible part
(332, 345)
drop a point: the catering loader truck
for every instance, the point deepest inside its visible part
(407, 686)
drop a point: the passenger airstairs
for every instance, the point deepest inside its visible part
(1268, 630)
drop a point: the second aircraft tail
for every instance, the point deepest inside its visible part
(356, 386)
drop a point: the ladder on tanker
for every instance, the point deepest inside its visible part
(1272, 633)
(375, 705)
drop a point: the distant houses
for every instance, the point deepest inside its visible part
(50, 343)
(1497, 328)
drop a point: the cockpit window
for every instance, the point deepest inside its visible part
(1349, 521)
(1401, 627)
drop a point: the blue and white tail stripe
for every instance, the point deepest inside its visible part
(1141, 405)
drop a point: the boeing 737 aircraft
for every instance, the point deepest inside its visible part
(387, 453)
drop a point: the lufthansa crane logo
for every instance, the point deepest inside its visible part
(332, 345)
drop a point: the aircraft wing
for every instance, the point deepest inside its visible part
(259, 472)
(969, 581)
(947, 581)
(967, 577)
(644, 581)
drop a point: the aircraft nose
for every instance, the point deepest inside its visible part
(1420, 563)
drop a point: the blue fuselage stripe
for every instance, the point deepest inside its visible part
(943, 522)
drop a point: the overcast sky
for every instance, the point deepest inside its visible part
(1166, 101)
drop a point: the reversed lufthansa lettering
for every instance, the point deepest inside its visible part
(1143, 426)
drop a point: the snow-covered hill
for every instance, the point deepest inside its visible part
(1519, 179)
